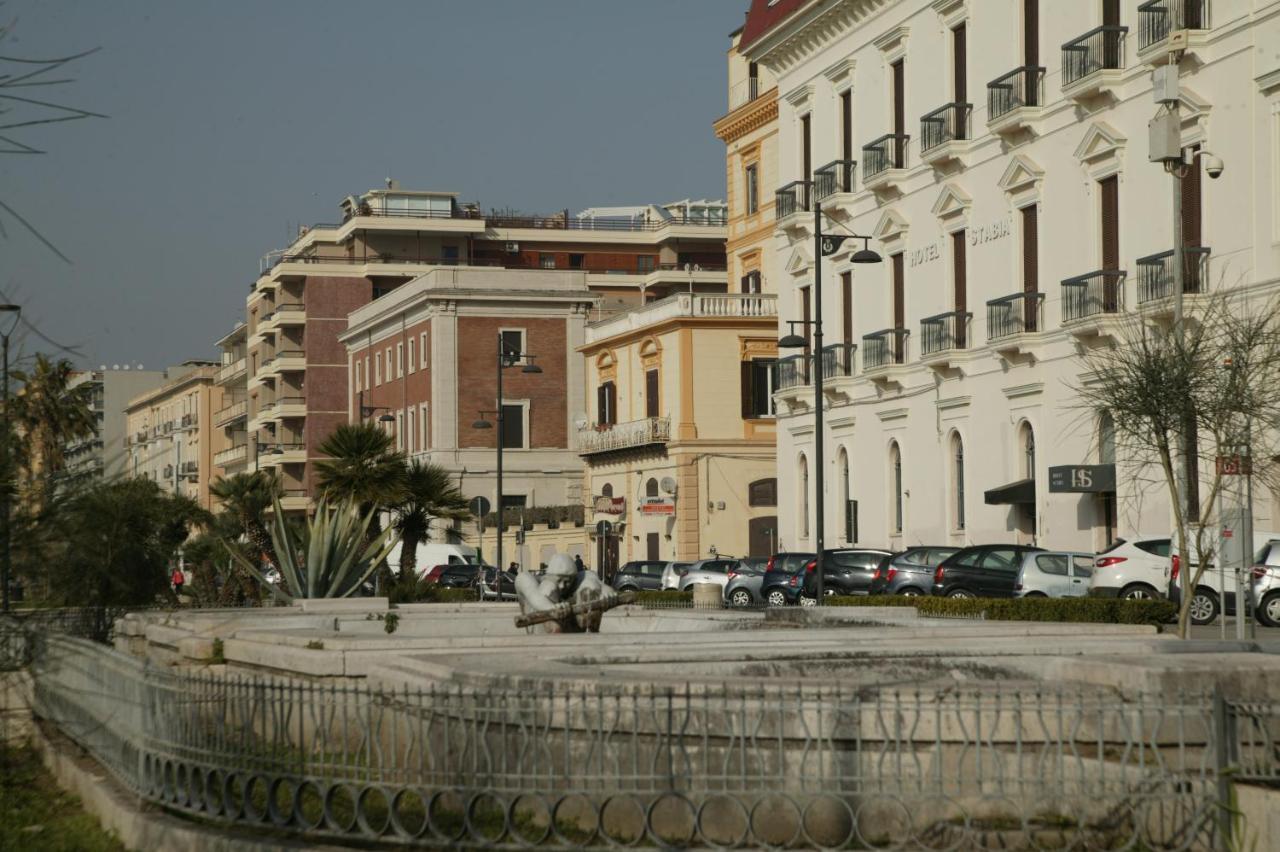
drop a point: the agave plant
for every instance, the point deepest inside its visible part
(330, 558)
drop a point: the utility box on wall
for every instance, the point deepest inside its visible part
(1166, 139)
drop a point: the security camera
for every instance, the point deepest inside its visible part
(1214, 166)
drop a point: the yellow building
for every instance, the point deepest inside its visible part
(679, 440)
(170, 433)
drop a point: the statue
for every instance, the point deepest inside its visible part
(565, 600)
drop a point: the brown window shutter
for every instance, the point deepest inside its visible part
(899, 292)
(846, 126)
(899, 112)
(746, 283)
(1030, 250)
(846, 305)
(748, 405)
(1110, 189)
(806, 304)
(959, 55)
(651, 393)
(1111, 13)
(960, 271)
(806, 140)
(602, 404)
(1191, 222)
(1031, 33)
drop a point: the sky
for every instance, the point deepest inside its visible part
(231, 123)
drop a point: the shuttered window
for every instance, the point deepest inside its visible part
(806, 304)
(899, 112)
(846, 305)
(757, 388)
(806, 145)
(899, 307)
(1191, 223)
(1030, 36)
(960, 76)
(960, 283)
(607, 404)
(651, 393)
(846, 126)
(1109, 190)
(1030, 250)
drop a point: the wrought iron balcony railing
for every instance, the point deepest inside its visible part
(624, 436)
(835, 177)
(1100, 49)
(1093, 293)
(887, 152)
(1013, 315)
(1021, 87)
(884, 348)
(1155, 274)
(792, 372)
(790, 199)
(1161, 17)
(837, 360)
(944, 332)
(944, 125)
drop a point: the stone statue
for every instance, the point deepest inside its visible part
(565, 600)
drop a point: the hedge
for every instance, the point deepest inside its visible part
(1083, 610)
(868, 600)
(668, 597)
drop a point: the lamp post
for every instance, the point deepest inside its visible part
(824, 246)
(9, 478)
(506, 360)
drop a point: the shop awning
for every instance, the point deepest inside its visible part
(1013, 494)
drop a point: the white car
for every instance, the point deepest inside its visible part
(1133, 570)
(1209, 598)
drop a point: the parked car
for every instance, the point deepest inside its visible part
(458, 577)
(671, 574)
(433, 573)
(844, 572)
(639, 576)
(1054, 574)
(712, 571)
(431, 553)
(910, 572)
(984, 571)
(500, 587)
(1264, 587)
(1137, 570)
(744, 582)
(783, 577)
(1215, 592)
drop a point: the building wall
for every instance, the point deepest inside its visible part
(172, 439)
(981, 395)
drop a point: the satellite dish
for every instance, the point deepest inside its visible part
(668, 485)
(581, 422)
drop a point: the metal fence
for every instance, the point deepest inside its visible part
(699, 765)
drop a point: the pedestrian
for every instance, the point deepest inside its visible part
(513, 569)
(178, 579)
(577, 563)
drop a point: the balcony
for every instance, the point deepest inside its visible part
(727, 306)
(835, 178)
(1161, 17)
(289, 406)
(1155, 277)
(1090, 300)
(231, 413)
(232, 372)
(1011, 319)
(884, 351)
(944, 133)
(743, 92)
(838, 360)
(231, 456)
(606, 438)
(789, 202)
(792, 372)
(289, 453)
(289, 314)
(884, 160)
(942, 337)
(294, 499)
(1014, 100)
(1091, 64)
(286, 360)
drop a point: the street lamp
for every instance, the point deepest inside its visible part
(9, 478)
(506, 360)
(825, 247)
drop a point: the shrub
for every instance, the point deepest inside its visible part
(868, 600)
(664, 598)
(1085, 610)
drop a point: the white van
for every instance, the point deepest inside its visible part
(431, 554)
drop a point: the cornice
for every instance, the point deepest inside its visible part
(811, 29)
(749, 117)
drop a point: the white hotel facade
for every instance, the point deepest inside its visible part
(1016, 232)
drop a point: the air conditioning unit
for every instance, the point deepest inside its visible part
(512, 248)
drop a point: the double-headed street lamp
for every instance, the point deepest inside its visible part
(5, 462)
(506, 360)
(825, 247)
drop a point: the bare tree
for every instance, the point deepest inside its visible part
(1218, 381)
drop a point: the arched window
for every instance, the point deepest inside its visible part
(1106, 438)
(607, 490)
(957, 480)
(804, 497)
(1028, 452)
(763, 492)
(651, 488)
(895, 472)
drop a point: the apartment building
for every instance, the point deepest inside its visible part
(102, 455)
(1002, 172)
(423, 364)
(172, 439)
(232, 417)
(297, 385)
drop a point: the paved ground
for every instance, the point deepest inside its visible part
(1214, 631)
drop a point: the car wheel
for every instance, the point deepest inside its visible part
(1035, 595)
(777, 597)
(741, 598)
(1269, 612)
(911, 593)
(961, 593)
(629, 589)
(1204, 607)
(1138, 592)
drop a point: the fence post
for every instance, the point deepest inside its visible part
(1222, 736)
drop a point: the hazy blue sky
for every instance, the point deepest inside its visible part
(231, 122)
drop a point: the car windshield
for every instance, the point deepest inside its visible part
(791, 563)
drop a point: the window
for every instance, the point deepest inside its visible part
(514, 501)
(377, 368)
(804, 497)
(607, 404)
(959, 284)
(411, 353)
(422, 350)
(399, 430)
(449, 255)
(751, 282)
(806, 152)
(367, 375)
(606, 490)
(576, 261)
(1001, 558)
(752, 188)
(644, 264)
(651, 394)
(399, 360)
(1028, 453)
(651, 488)
(389, 374)
(1052, 563)
(757, 388)
(763, 492)
(846, 495)
(895, 472)
(846, 305)
(957, 481)
(1106, 438)
(1082, 566)
(359, 387)
(546, 260)
(513, 428)
(411, 432)
(424, 428)
(512, 342)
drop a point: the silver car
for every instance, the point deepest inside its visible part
(714, 572)
(1264, 586)
(1054, 574)
(745, 580)
(672, 573)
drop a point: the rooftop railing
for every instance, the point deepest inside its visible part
(838, 360)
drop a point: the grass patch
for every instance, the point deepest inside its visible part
(35, 813)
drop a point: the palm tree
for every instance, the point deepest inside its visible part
(49, 414)
(246, 497)
(429, 493)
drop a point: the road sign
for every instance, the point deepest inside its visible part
(480, 506)
(1236, 465)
